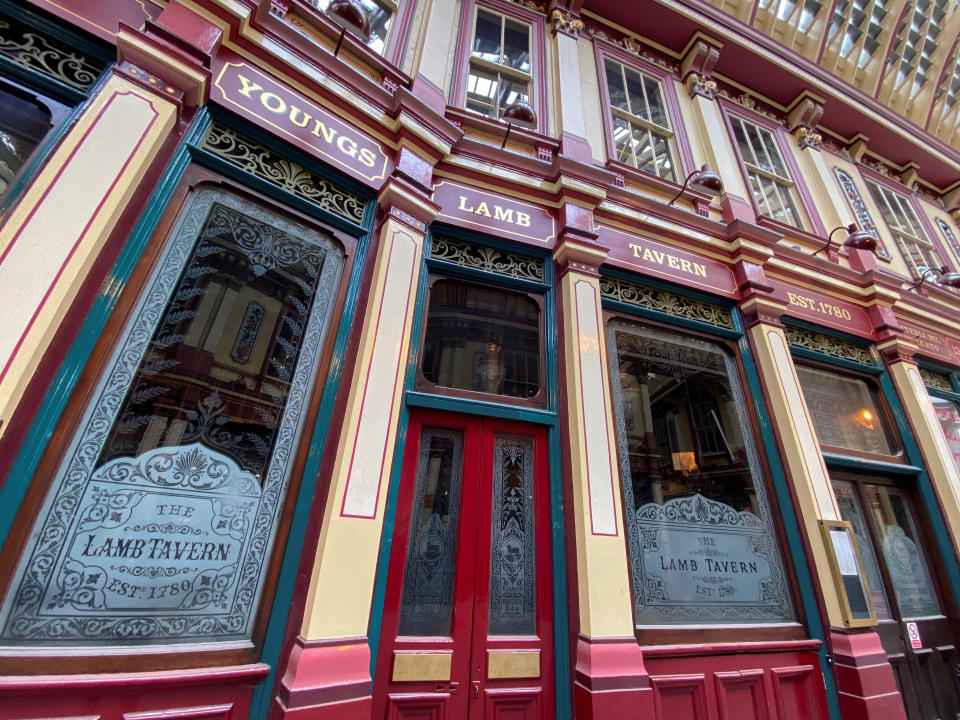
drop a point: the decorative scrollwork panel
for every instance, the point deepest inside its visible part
(653, 299)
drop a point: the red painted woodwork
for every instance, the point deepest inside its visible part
(610, 680)
(866, 687)
(332, 678)
(469, 691)
(202, 694)
(495, 213)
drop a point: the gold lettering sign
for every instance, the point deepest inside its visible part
(818, 306)
(306, 123)
(660, 257)
(493, 213)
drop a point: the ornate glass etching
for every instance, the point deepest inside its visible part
(860, 209)
(851, 511)
(655, 299)
(949, 416)
(905, 561)
(512, 552)
(485, 258)
(159, 523)
(432, 545)
(698, 524)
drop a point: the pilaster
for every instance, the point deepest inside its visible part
(610, 678)
(567, 28)
(328, 671)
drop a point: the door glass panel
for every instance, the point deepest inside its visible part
(161, 519)
(512, 556)
(432, 547)
(902, 554)
(846, 411)
(851, 511)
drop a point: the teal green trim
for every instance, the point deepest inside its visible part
(25, 465)
(931, 504)
(789, 524)
(850, 462)
(480, 407)
(274, 639)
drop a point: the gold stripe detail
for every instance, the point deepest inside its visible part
(412, 667)
(513, 664)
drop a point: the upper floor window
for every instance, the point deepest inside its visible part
(381, 14)
(500, 64)
(905, 226)
(773, 189)
(639, 124)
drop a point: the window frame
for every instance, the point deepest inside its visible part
(678, 143)
(707, 632)
(931, 239)
(807, 219)
(47, 658)
(441, 270)
(401, 13)
(466, 35)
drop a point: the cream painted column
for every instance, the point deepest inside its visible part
(927, 431)
(603, 580)
(803, 461)
(568, 111)
(610, 677)
(436, 54)
(330, 666)
(60, 225)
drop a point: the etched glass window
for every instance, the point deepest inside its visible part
(159, 523)
(500, 73)
(432, 544)
(24, 123)
(846, 411)
(641, 130)
(893, 522)
(380, 13)
(850, 510)
(512, 556)
(770, 182)
(482, 339)
(701, 544)
(949, 417)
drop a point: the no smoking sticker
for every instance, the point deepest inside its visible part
(914, 632)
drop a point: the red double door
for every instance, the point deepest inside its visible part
(467, 628)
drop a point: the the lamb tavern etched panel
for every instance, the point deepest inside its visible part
(159, 524)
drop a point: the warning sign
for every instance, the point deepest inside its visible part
(914, 632)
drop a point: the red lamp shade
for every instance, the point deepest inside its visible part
(520, 112)
(350, 14)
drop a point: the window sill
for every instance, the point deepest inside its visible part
(633, 180)
(811, 241)
(518, 139)
(714, 639)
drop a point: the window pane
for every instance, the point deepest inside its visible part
(516, 45)
(486, 39)
(161, 519)
(482, 339)
(701, 545)
(483, 88)
(623, 141)
(902, 554)
(851, 511)
(618, 96)
(432, 544)
(380, 16)
(512, 556)
(846, 411)
(23, 124)
(949, 417)
(658, 113)
(661, 149)
(638, 104)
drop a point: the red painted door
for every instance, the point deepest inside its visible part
(467, 628)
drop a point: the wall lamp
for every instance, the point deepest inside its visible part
(705, 180)
(948, 278)
(349, 15)
(517, 112)
(856, 238)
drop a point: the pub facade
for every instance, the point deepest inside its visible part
(479, 359)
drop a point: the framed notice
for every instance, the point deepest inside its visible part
(848, 573)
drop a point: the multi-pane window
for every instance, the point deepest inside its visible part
(380, 13)
(903, 222)
(641, 129)
(767, 173)
(500, 70)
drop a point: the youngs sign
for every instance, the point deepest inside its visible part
(291, 115)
